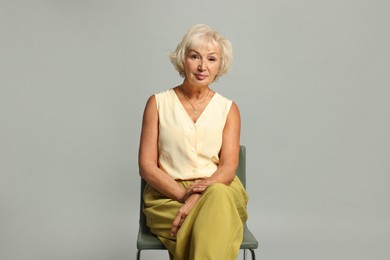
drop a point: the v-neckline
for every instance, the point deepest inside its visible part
(185, 111)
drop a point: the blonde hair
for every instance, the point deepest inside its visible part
(202, 34)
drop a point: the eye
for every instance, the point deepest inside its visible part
(194, 56)
(212, 59)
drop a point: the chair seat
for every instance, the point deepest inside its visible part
(249, 241)
(147, 240)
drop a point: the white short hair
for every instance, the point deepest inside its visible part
(202, 34)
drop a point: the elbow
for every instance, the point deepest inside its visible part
(145, 169)
(141, 173)
(142, 169)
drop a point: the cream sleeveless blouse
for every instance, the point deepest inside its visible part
(189, 150)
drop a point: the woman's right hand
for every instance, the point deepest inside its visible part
(183, 212)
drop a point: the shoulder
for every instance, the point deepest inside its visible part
(228, 103)
(154, 100)
(232, 107)
(234, 111)
(164, 96)
(150, 107)
(165, 93)
(222, 98)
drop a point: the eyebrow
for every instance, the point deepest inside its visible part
(211, 53)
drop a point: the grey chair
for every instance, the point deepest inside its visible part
(147, 241)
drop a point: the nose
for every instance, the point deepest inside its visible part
(201, 66)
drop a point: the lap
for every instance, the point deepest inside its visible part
(160, 211)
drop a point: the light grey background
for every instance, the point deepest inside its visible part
(311, 78)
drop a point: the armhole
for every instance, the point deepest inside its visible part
(156, 100)
(228, 108)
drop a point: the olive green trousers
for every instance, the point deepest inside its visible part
(213, 229)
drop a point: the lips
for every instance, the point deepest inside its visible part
(200, 76)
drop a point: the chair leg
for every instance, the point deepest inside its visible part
(253, 254)
(138, 254)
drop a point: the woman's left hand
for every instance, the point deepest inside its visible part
(199, 186)
(183, 212)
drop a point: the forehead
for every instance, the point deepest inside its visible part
(207, 46)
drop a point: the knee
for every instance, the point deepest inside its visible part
(217, 188)
(218, 196)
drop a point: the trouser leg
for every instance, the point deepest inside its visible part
(214, 228)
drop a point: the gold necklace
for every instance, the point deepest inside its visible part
(194, 111)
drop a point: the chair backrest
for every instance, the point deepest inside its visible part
(241, 173)
(241, 169)
(142, 218)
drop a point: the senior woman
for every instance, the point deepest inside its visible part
(188, 155)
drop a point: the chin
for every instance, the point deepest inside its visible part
(202, 83)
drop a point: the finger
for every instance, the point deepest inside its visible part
(199, 188)
(176, 224)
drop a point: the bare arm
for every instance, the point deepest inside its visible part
(230, 150)
(148, 156)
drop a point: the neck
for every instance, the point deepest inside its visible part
(196, 92)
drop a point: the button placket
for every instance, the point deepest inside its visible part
(194, 150)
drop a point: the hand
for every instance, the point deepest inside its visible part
(183, 213)
(198, 186)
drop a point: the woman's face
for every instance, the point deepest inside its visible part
(202, 64)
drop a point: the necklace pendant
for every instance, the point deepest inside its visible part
(195, 112)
